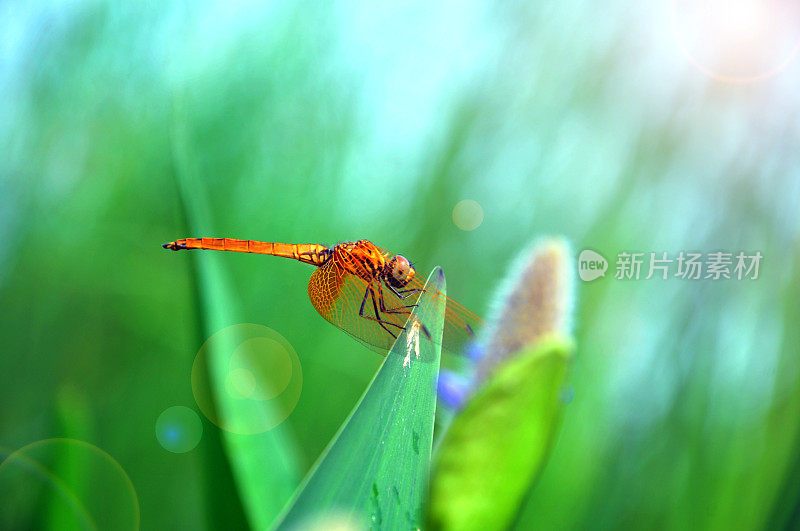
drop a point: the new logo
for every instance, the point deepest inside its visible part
(591, 265)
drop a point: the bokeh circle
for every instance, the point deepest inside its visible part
(247, 378)
(178, 429)
(737, 42)
(68, 483)
(468, 215)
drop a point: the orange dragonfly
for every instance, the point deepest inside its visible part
(361, 288)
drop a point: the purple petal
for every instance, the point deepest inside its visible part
(453, 389)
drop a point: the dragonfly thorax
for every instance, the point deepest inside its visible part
(398, 272)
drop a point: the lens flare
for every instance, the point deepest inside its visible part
(178, 429)
(247, 378)
(240, 383)
(468, 215)
(740, 41)
(69, 483)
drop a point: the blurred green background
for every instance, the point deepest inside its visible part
(331, 121)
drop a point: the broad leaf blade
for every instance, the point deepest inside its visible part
(374, 472)
(497, 445)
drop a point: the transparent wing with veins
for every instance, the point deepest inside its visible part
(375, 313)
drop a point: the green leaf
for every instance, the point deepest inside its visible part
(375, 470)
(497, 445)
(75, 422)
(265, 466)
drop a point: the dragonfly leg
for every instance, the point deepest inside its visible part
(377, 318)
(402, 293)
(400, 309)
(403, 309)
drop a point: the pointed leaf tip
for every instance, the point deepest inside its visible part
(375, 470)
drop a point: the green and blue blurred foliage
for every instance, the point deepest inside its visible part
(321, 122)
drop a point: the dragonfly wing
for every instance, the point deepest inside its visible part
(347, 301)
(460, 324)
(460, 327)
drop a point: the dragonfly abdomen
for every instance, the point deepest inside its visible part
(308, 253)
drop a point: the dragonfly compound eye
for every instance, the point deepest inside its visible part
(400, 272)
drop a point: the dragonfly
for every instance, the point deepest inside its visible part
(359, 287)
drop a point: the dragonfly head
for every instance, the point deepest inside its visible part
(399, 271)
